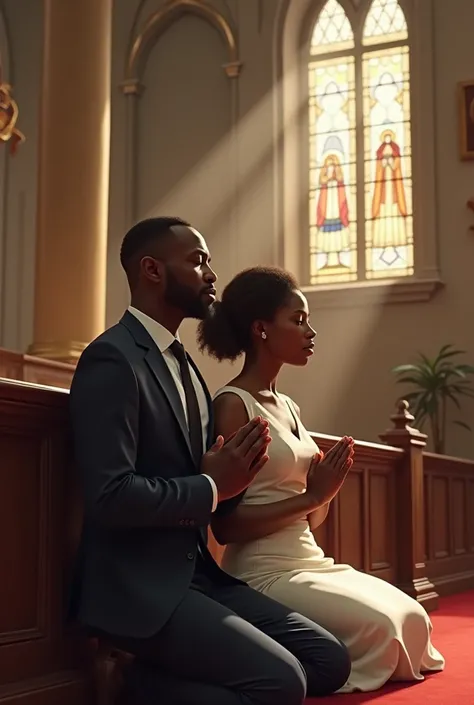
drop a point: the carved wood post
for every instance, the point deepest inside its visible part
(410, 510)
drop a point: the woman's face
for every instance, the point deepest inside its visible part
(290, 336)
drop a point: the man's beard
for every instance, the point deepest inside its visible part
(182, 297)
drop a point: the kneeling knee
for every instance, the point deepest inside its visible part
(342, 666)
(291, 684)
(330, 670)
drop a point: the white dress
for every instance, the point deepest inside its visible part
(386, 632)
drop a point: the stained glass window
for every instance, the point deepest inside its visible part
(333, 233)
(360, 172)
(332, 30)
(388, 178)
(385, 23)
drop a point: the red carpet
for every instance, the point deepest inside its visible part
(454, 636)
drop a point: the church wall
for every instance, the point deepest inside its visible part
(347, 388)
(203, 146)
(353, 389)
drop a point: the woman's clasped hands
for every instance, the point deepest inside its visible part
(327, 473)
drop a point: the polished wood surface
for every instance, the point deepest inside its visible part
(449, 501)
(360, 522)
(41, 660)
(26, 368)
(404, 515)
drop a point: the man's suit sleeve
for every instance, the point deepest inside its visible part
(104, 406)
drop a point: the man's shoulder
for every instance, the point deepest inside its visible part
(114, 343)
(112, 355)
(115, 335)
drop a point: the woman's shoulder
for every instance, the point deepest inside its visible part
(228, 395)
(232, 408)
(230, 391)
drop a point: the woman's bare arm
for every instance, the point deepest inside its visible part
(318, 516)
(246, 522)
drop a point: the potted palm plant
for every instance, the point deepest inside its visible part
(437, 382)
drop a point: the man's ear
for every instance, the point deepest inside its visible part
(152, 269)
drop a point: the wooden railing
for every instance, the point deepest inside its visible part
(404, 515)
(449, 522)
(42, 660)
(360, 527)
(27, 368)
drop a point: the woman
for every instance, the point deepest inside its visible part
(269, 529)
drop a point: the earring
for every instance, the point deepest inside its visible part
(264, 335)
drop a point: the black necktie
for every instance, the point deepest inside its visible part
(192, 406)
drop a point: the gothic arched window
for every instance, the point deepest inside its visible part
(360, 156)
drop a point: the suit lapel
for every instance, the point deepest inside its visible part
(160, 371)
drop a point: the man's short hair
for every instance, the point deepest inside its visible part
(141, 235)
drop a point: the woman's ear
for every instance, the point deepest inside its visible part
(258, 329)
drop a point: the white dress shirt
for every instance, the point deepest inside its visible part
(163, 339)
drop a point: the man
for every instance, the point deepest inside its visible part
(142, 421)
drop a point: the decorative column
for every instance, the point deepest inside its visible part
(73, 179)
(410, 508)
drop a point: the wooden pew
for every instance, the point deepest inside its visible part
(37, 370)
(449, 518)
(42, 661)
(403, 514)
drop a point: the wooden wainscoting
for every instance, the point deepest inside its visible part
(403, 515)
(360, 528)
(41, 663)
(361, 525)
(26, 368)
(376, 523)
(449, 518)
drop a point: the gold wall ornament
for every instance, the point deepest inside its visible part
(8, 117)
(159, 21)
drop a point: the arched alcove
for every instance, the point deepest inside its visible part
(183, 124)
(153, 30)
(166, 16)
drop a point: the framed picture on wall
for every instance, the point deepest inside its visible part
(466, 119)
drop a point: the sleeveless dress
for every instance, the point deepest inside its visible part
(386, 632)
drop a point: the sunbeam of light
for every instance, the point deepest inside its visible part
(241, 166)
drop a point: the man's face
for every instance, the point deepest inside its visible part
(188, 278)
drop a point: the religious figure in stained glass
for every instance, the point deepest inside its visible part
(389, 223)
(332, 218)
(332, 172)
(389, 208)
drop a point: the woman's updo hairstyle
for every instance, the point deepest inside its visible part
(255, 294)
